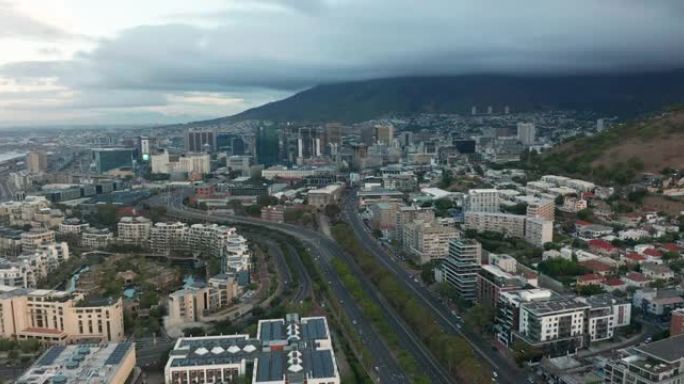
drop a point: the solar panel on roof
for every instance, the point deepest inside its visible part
(51, 355)
(118, 354)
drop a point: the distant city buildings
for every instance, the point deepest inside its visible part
(108, 159)
(200, 140)
(527, 133)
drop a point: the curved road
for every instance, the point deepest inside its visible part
(387, 370)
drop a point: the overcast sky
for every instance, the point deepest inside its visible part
(160, 61)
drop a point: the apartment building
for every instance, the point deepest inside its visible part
(461, 267)
(505, 223)
(482, 200)
(542, 208)
(538, 231)
(556, 326)
(409, 214)
(73, 226)
(165, 237)
(134, 230)
(93, 363)
(384, 216)
(193, 303)
(59, 317)
(21, 212)
(492, 281)
(427, 241)
(507, 320)
(33, 239)
(94, 238)
(604, 316)
(10, 241)
(657, 362)
(289, 350)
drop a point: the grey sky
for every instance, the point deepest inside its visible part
(191, 63)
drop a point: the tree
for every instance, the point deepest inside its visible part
(447, 179)
(332, 210)
(479, 317)
(589, 290)
(586, 214)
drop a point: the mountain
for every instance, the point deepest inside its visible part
(648, 144)
(616, 94)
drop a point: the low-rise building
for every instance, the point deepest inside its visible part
(290, 350)
(274, 213)
(657, 303)
(657, 271)
(657, 362)
(92, 363)
(325, 196)
(604, 316)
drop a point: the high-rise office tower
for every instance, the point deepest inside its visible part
(384, 134)
(527, 133)
(107, 159)
(200, 140)
(36, 162)
(267, 146)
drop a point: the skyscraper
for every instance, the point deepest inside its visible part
(384, 134)
(200, 140)
(526, 133)
(107, 159)
(36, 162)
(267, 146)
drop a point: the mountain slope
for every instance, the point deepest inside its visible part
(623, 94)
(617, 155)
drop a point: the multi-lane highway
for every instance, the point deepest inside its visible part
(507, 372)
(386, 369)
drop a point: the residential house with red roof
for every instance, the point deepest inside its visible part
(636, 279)
(596, 266)
(602, 247)
(614, 284)
(590, 279)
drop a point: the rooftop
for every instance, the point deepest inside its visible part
(81, 363)
(670, 349)
(541, 308)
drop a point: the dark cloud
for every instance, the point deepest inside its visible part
(294, 44)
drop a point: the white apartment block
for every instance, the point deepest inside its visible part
(604, 316)
(482, 200)
(527, 133)
(428, 241)
(94, 238)
(554, 320)
(165, 237)
(538, 231)
(134, 230)
(506, 223)
(73, 225)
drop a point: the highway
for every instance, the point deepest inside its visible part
(386, 369)
(507, 372)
